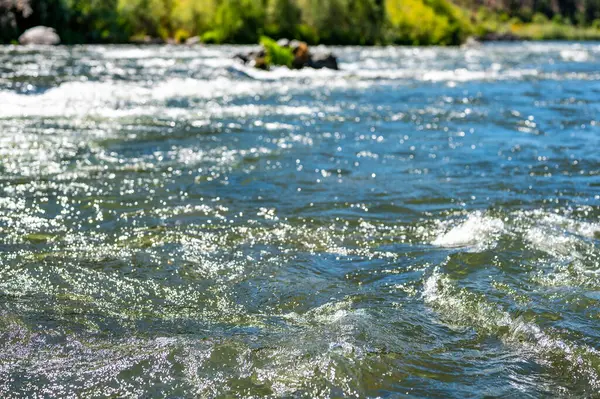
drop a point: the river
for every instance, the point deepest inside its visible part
(422, 223)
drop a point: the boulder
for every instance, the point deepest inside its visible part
(301, 55)
(251, 56)
(324, 60)
(303, 58)
(40, 35)
(471, 42)
(259, 63)
(193, 41)
(283, 43)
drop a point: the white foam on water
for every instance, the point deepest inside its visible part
(551, 242)
(478, 231)
(466, 75)
(72, 99)
(559, 235)
(328, 313)
(575, 55)
(579, 227)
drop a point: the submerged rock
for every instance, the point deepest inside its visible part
(39, 35)
(251, 56)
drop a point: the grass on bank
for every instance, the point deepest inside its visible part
(553, 31)
(536, 27)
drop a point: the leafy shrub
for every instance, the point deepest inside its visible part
(283, 18)
(145, 17)
(240, 21)
(307, 34)
(539, 18)
(424, 22)
(193, 16)
(212, 37)
(91, 21)
(276, 55)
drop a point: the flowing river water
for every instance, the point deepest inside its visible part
(422, 223)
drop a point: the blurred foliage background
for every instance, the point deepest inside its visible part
(365, 22)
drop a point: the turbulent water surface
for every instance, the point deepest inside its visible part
(422, 223)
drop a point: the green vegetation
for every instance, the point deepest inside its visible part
(423, 22)
(276, 55)
(535, 27)
(367, 22)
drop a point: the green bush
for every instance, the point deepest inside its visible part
(192, 17)
(539, 18)
(425, 22)
(343, 21)
(212, 37)
(307, 34)
(283, 18)
(558, 19)
(145, 17)
(240, 21)
(276, 55)
(95, 21)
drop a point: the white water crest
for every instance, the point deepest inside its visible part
(477, 231)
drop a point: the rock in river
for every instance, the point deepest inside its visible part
(303, 58)
(324, 60)
(40, 35)
(194, 40)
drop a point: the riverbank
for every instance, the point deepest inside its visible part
(330, 22)
(539, 32)
(520, 33)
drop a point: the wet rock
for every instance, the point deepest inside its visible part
(251, 56)
(40, 35)
(303, 58)
(259, 63)
(301, 55)
(471, 42)
(192, 41)
(325, 60)
(283, 43)
(257, 59)
(244, 58)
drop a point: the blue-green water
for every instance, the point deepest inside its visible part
(422, 223)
